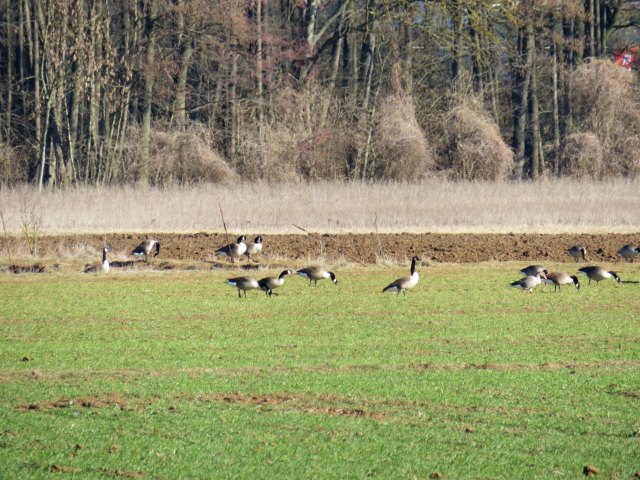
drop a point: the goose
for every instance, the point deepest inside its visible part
(578, 251)
(99, 267)
(403, 284)
(145, 248)
(598, 274)
(628, 252)
(529, 282)
(254, 247)
(316, 273)
(561, 278)
(243, 284)
(233, 250)
(533, 270)
(267, 284)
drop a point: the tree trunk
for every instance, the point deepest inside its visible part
(149, 79)
(521, 98)
(185, 42)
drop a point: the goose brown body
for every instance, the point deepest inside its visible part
(233, 250)
(254, 248)
(598, 274)
(577, 252)
(268, 284)
(562, 278)
(528, 283)
(146, 247)
(243, 284)
(99, 267)
(402, 284)
(316, 273)
(629, 252)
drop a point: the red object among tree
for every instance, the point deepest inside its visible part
(626, 57)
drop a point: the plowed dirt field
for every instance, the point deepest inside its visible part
(365, 248)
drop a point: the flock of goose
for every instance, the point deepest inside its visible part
(534, 275)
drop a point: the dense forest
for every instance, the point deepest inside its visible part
(161, 92)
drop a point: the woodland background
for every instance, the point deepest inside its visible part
(165, 92)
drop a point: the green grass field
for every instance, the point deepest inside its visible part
(170, 374)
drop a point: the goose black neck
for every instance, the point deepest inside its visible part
(413, 266)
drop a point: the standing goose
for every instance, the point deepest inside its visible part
(243, 284)
(529, 282)
(267, 284)
(316, 273)
(99, 267)
(598, 274)
(628, 252)
(403, 284)
(561, 278)
(253, 248)
(578, 251)
(145, 248)
(533, 270)
(233, 250)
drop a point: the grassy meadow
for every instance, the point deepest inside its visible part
(171, 375)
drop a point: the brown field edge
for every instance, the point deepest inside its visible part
(363, 248)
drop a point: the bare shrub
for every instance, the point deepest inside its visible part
(474, 148)
(606, 102)
(401, 149)
(580, 156)
(308, 139)
(177, 158)
(31, 217)
(13, 166)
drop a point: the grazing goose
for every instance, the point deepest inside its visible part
(598, 274)
(316, 273)
(561, 278)
(243, 284)
(628, 252)
(233, 250)
(99, 267)
(403, 284)
(533, 270)
(145, 248)
(267, 284)
(529, 282)
(253, 248)
(578, 251)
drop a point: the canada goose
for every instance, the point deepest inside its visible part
(267, 284)
(561, 278)
(99, 267)
(533, 270)
(316, 273)
(243, 284)
(254, 247)
(235, 249)
(598, 274)
(403, 284)
(628, 252)
(578, 251)
(145, 249)
(529, 282)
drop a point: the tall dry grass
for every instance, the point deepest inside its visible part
(251, 208)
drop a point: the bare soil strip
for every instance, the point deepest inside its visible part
(354, 248)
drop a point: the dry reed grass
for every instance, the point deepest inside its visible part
(336, 207)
